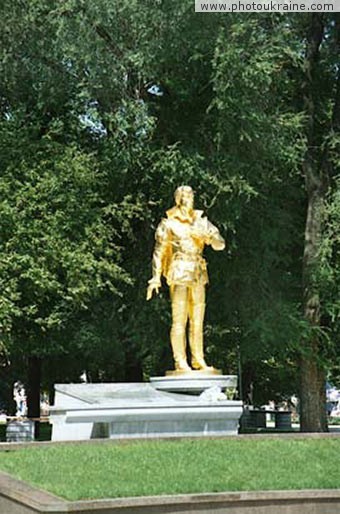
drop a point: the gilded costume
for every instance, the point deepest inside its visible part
(180, 240)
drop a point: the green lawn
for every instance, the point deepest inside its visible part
(109, 469)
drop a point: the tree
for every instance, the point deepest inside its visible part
(303, 140)
(318, 168)
(106, 107)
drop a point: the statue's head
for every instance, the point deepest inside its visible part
(184, 197)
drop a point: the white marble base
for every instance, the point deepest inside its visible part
(194, 382)
(85, 411)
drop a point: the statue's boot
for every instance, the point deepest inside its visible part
(178, 349)
(179, 321)
(196, 337)
(182, 366)
(201, 365)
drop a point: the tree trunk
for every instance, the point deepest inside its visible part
(313, 416)
(312, 381)
(33, 392)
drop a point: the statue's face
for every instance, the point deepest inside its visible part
(187, 199)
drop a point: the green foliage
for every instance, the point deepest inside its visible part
(329, 269)
(327, 277)
(57, 251)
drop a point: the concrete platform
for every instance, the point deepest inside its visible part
(118, 411)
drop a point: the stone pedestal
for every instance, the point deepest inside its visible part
(193, 382)
(117, 411)
(20, 431)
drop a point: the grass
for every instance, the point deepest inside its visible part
(108, 470)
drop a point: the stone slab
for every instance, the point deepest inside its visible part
(20, 431)
(85, 411)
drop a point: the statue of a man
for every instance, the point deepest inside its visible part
(180, 240)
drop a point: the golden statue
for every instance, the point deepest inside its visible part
(180, 240)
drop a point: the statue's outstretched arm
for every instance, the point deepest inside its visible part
(214, 238)
(161, 244)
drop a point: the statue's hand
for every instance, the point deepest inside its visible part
(199, 230)
(154, 285)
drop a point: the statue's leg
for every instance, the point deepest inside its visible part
(196, 302)
(179, 305)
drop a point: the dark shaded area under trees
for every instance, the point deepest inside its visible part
(246, 111)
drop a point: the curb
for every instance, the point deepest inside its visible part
(283, 435)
